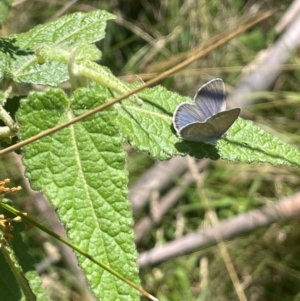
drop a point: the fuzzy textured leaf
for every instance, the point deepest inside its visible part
(149, 128)
(82, 172)
(73, 29)
(248, 143)
(62, 35)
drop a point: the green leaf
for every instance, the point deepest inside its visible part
(5, 65)
(60, 38)
(77, 28)
(149, 128)
(81, 170)
(248, 143)
(26, 69)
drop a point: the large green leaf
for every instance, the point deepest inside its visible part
(82, 172)
(149, 128)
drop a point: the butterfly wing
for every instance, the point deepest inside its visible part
(206, 121)
(211, 130)
(223, 121)
(199, 132)
(210, 98)
(185, 114)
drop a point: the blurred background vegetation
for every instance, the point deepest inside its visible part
(148, 38)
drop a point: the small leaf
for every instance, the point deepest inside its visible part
(77, 28)
(60, 37)
(81, 170)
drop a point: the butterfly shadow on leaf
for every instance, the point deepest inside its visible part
(198, 150)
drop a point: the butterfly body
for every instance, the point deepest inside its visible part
(207, 120)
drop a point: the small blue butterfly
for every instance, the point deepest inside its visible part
(206, 121)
